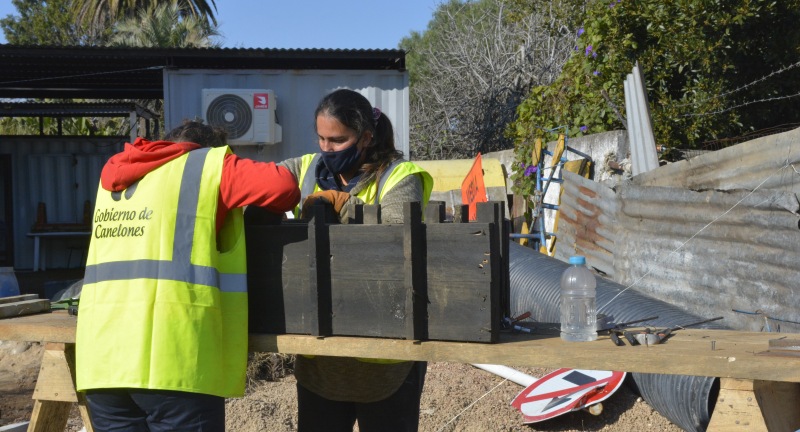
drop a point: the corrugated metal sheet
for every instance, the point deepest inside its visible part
(587, 222)
(763, 162)
(61, 172)
(136, 73)
(298, 92)
(732, 243)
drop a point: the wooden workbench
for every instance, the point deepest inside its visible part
(754, 381)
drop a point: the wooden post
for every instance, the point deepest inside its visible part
(372, 214)
(55, 391)
(747, 405)
(435, 212)
(319, 277)
(415, 270)
(461, 213)
(490, 213)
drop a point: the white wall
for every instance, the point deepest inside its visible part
(297, 92)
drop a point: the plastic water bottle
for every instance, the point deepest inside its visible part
(8, 282)
(578, 309)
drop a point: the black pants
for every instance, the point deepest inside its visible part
(397, 413)
(136, 410)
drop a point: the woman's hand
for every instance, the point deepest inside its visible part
(335, 198)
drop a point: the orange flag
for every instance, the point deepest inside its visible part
(473, 190)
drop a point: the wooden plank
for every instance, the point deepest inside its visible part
(463, 280)
(492, 213)
(779, 403)
(756, 406)
(25, 307)
(319, 273)
(18, 298)
(459, 252)
(374, 308)
(687, 352)
(55, 390)
(49, 416)
(415, 271)
(536, 350)
(459, 311)
(372, 214)
(368, 252)
(736, 410)
(367, 299)
(435, 212)
(277, 278)
(55, 382)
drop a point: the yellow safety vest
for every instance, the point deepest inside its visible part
(398, 170)
(163, 305)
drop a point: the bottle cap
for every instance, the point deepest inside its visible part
(577, 260)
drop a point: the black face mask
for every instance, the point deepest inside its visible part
(341, 161)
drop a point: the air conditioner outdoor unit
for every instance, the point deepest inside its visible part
(248, 115)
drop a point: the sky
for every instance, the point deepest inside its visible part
(298, 24)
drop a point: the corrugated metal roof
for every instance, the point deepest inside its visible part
(58, 109)
(136, 73)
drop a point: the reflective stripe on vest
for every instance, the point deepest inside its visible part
(180, 268)
(310, 181)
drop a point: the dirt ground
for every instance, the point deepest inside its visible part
(456, 397)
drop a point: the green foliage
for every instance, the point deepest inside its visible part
(70, 126)
(47, 23)
(164, 26)
(102, 13)
(697, 58)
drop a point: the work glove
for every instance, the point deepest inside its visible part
(335, 198)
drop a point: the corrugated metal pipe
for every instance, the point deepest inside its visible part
(687, 401)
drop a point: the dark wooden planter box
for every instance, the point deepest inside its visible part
(421, 281)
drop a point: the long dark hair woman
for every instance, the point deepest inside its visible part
(357, 164)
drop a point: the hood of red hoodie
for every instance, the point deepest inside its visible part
(138, 159)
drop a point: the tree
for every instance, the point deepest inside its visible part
(702, 62)
(48, 23)
(470, 70)
(103, 13)
(164, 26)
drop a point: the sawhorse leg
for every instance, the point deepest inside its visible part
(746, 405)
(55, 391)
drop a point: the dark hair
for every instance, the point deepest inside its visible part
(354, 111)
(198, 133)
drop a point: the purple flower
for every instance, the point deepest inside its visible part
(596, 73)
(580, 31)
(530, 170)
(584, 129)
(588, 49)
(576, 48)
(594, 54)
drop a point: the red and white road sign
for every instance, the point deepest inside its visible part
(565, 390)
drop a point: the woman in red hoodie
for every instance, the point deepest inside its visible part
(162, 332)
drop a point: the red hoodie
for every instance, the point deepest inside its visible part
(244, 181)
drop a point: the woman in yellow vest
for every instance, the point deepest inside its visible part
(162, 329)
(358, 164)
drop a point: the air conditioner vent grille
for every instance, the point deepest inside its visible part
(232, 113)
